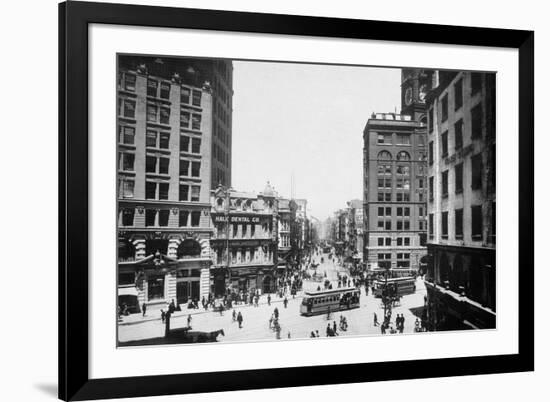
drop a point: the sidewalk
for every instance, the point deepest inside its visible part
(154, 314)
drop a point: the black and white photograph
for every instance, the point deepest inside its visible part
(276, 201)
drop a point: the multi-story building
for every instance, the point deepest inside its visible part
(356, 207)
(461, 202)
(215, 73)
(164, 132)
(394, 191)
(283, 227)
(244, 243)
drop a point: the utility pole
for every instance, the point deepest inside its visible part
(227, 199)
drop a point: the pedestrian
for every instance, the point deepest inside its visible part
(375, 320)
(312, 335)
(189, 320)
(162, 315)
(317, 333)
(240, 319)
(334, 328)
(383, 328)
(269, 300)
(172, 307)
(271, 321)
(276, 312)
(234, 315)
(402, 323)
(144, 308)
(329, 330)
(288, 335)
(285, 302)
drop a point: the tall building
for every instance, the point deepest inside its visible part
(394, 191)
(357, 208)
(244, 244)
(164, 131)
(197, 72)
(462, 204)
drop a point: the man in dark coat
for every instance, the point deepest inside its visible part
(144, 308)
(240, 319)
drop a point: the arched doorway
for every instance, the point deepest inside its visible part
(189, 248)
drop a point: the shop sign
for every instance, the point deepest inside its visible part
(237, 219)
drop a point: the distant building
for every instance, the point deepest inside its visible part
(244, 243)
(394, 191)
(462, 201)
(357, 207)
(164, 133)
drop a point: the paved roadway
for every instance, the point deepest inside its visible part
(256, 319)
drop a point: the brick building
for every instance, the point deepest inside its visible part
(164, 131)
(461, 203)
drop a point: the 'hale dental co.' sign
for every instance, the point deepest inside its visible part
(237, 219)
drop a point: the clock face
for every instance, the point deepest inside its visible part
(408, 96)
(422, 93)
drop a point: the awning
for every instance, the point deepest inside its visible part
(128, 291)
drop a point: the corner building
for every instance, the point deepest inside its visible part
(165, 122)
(394, 192)
(462, 201)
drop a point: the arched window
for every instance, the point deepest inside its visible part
(189, 248)
(247, 205)
(238, 203)
(154, 245)
(403, 156)
(219, 202)
(384, 156)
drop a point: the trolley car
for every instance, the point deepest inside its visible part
(321, 301)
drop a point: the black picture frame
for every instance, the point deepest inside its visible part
(74, 18)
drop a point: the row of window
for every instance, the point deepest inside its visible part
(477, 178)
(475, 87)
(386, 224)
(246, 230)
(400, 211)
(400, 139)
(159, 165)
(159, 190)
(400, 241)
(403, 260)
(400, 196)
(161, 217)
(387, 156)
(159, 139)
(476, 223)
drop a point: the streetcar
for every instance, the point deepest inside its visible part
(401, 286)
(319, 302)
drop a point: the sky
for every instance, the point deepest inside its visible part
(306, 121)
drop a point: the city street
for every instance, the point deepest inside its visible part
(256, 319)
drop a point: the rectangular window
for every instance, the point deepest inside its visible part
(477, 222)
(129, 108)
(431, 153)
(407, 241)
(196, 123)
(444, 144)
(165, 115)
(399, 240)
(195, 218)
(195, 193)
(151, 139)
(196, 145)
(185, 94)
(184, 167)
(150, 164)
(445, 184)
(197, 97)
(380, 241)
(458, 134)
(184, 192)
(444, 108)
(444, 225)
(129, 82)
(128, 161)
(477, 171)
(183, 218)
(152, 88)
(164, 141)
(431, 225)
(164, 165)
(403, 139)
(165, 90)
(150, 190)
(476, 83)
(458, 94)
(459, 234)
(150, 216)
(476, 121)
(420, 212)
(388, 241)
(163, 191)
(380, 211)
(431, 120)
(387, 225)
(195, 169)
(127, 135)
(152, 111)
(128, 217)
(185, 117)
(128, 188)
(184, 143)
(164, 214)
(431, 188)
(458, 178)
(155, 287)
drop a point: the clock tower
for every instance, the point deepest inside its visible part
(415, 84)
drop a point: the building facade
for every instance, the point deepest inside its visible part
(244, 243)
(462, 201)
(164, 142)
(394, 191)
